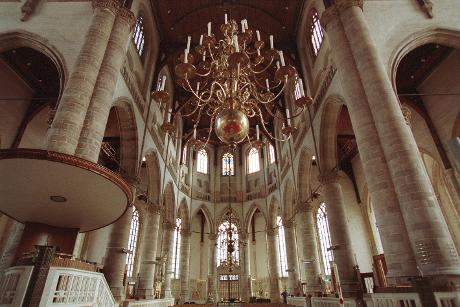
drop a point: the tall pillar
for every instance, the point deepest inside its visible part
(310, 253)
(273, 266)
(67, 124)
(89, 144)
(340, 235)
(245, 282)
(115, 263)
(167, 249)
(11, 240)
(429, 236)
(291, 255)
(399, 256)
(185, 265)
(212, 269)
(151, 219)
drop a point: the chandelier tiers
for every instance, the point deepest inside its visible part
(231, 80)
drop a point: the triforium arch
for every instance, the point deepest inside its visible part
(328, 133)
(128, 137)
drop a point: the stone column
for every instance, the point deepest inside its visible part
(310, 253)
(67, 124)
(399, 256)
(185, 265)
(89, 144)
(245, 276)
(291, 255)
(273, 266)
(212, 269)
(11, 240)
(167, 248)
(151, 220)
(115, 259)
(340, 235)
(429, 236)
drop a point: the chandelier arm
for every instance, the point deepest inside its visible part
(264, 69)
(209, 134)
(266, 130)
(205, 74)
(199, 97)
(210, 53)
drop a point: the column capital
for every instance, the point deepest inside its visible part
(288, 223)
(243, 235)
(306, 206)
(167, 225)
(212, 236)
(271, 231)
(111, 5)
(329, 176)
(185, 232)
(127, 16)
(334, 10)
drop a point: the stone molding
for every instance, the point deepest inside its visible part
(330, 176)
(185, 232)
(212, 236)
(271, 231)
(289, 223)
(306, 206)
(112, 6)
(167, 225)
(127, 16)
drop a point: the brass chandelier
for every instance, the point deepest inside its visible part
(231, 80)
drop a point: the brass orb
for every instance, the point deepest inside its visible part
(231, 126)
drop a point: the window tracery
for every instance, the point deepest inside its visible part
(132, 242)
(202, 161)
(228, 166)
(324, 237)
(139, 35)
(316, 33)
(253, 160)
(282, 247)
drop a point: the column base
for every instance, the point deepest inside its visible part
(118, 293)
(146, 294)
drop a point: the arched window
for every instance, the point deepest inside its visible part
(282, 247)
(139, 36)
(271, 153)
(228, 167)
(132, 241)
(227, 232)
(202, 161)
(184, 155)
(253, 160)
(176, 248)
(316, 33)
(324, 237)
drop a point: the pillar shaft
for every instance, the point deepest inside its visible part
(273, 266)
(310, 253)
(292, 259)
(115, 263)
(185, 266)
(67, 124)
(167, 248)
(244, 264)
(12, 238)
(429, 236)
(212, 268)
(399, 256)
(91, 136)
(340, 235)
(149, 252)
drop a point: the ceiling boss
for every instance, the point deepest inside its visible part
(234, 78)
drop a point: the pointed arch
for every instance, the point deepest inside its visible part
(328, 133)
(169, 203)
(184, 214)
(247, 221)
(304, 174)
(153, 187)
(207, 214)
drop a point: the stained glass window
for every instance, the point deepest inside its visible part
(228, 167)
(202, 161)
(316, 33)
(253, 160)
(176, 248)
(132, 242)
(324, 237)
(282, 247)
(222, 242)
(139, 36)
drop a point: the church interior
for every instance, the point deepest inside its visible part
(230, 153)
